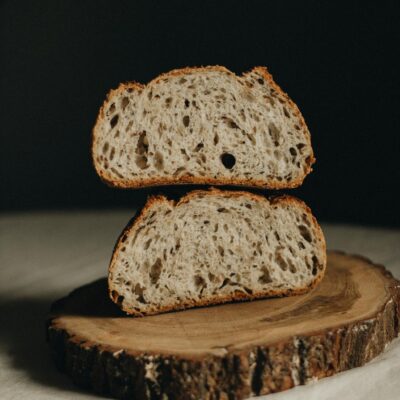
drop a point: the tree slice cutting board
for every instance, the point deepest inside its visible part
(231, 351)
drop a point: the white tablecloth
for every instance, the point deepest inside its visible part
(43, 256)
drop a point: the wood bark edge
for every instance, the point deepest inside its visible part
(236, 374)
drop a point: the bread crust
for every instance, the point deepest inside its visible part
(214, 300)
(199, 180)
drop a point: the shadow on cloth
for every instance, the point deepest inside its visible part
(23, 338)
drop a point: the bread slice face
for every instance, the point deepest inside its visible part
(202, 126)
(213, 247)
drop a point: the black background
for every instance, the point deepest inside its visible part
(337, 60)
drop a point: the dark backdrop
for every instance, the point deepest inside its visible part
(337, 60)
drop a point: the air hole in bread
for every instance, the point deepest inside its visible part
(211, 277)
(251, 138)
(248, 221)
(178, 171)
(316, 265)
(216, 138)
(147, 244)
(314, 270)
(199, 147)
(138, 290)
(265, 277)
(187, 103)
(247, 290)
(199, 281)
(112, 108)
(286, 112)
(186, 120)
(124, 103)
(281, 261)
(183, 151)
(270, 100)
(300, 145)
(225, 282)
(141, 151)
(112, 153)
(221, 251)
(292, 267)
(158, 160)
(228, 160)
(274, 132)
(168, 101)
(293, 151)
(260, 81)
(231, 123)
(155, 271)
(114, 121)
(305, 233)
(116, 172)
(105, 147)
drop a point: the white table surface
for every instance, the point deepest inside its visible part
(45, 255)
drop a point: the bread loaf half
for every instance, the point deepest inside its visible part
(212, 247)
(202, 125)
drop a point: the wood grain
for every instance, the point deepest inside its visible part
(231, 351)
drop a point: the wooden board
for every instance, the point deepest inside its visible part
(230, 351)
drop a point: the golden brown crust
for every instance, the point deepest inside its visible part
(199, 180)
(238, 296)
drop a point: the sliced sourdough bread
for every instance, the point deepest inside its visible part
(202, 125)
(212, 247)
